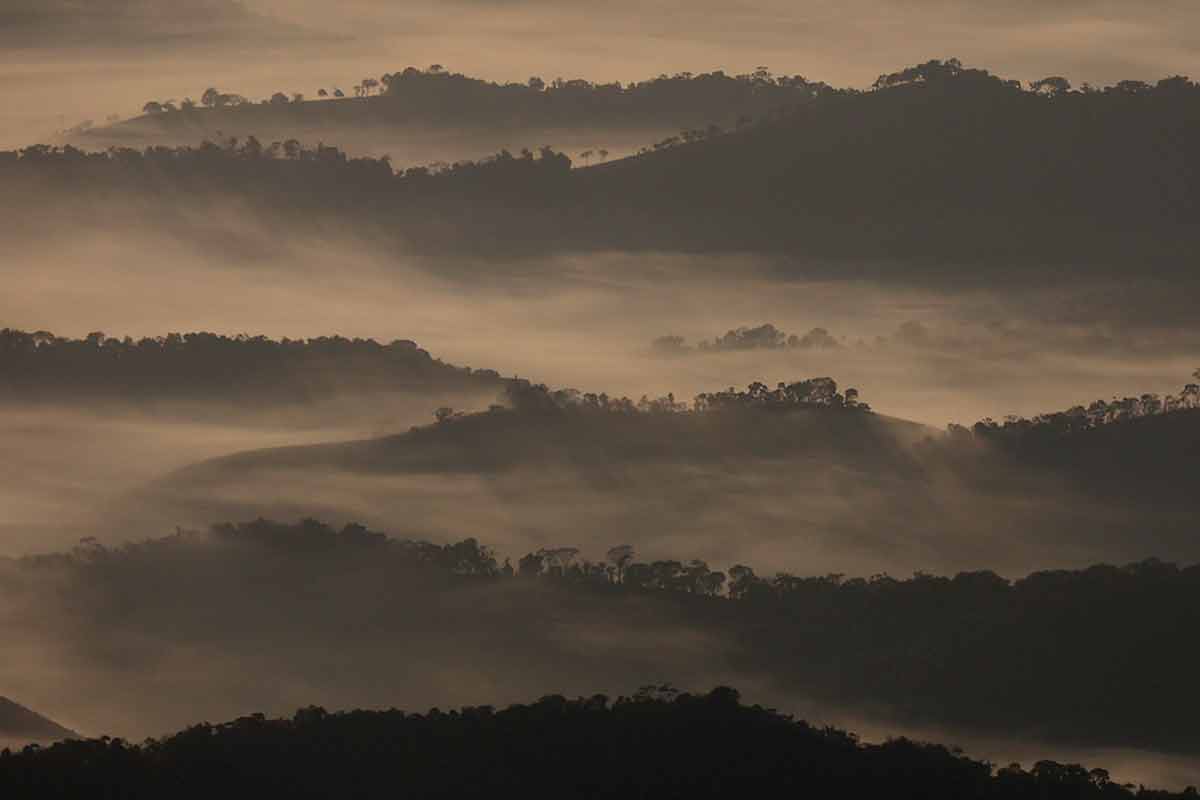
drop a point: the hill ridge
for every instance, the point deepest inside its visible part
(17, 721)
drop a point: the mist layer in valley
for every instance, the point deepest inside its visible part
(817, 490)
(931, 353)
(267, 617)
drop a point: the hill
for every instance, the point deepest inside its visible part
(585, 436)
(355, 616)
(938, 161)
(657, 743)
(19, 725)
(938, 166)
(805, 487)
(422, 116)
(228, 374)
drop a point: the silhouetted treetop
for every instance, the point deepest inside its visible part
(1097, 414)
(814, 393)
(436, 95)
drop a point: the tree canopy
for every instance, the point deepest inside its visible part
(202, 365)
(659, 742)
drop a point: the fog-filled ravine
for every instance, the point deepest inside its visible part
(937, 352)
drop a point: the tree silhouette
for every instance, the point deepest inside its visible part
(661, 740)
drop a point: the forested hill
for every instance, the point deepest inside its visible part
(937, 164)
(1131, 448)
(438, 99)
(772, 460)
(976, 652)
(936, 161)
(588, 431)
(659, 743)
(198, 367)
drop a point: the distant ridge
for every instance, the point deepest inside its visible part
(18, 722)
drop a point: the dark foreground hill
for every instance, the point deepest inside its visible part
(656, 744)
(19, 724)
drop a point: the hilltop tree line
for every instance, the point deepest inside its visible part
(285, 180)
(812, 393)
(215, 98)
(1080, 418)
(435, 93)
(743, 97)
(660, 742)
(41, 366)
(1091, 655)
(938, 163)
(277, 159)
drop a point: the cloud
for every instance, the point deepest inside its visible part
(26, 24)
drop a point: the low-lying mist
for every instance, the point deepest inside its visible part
(589, 322)
(955, 352)
(234, 626)
(811, 491)
(143, 640)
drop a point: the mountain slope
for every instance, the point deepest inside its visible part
(952, 169)
(808, 490)
(18, 723)
(958, 163)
